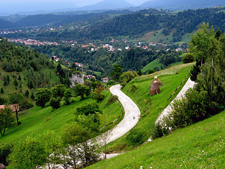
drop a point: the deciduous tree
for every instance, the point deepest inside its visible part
(42, 96)
(7, 119)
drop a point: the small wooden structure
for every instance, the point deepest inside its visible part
(155, 87)
(2, 166)
(14, 107)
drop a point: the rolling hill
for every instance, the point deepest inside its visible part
(107, 4)
(182, 4)
(6, 24)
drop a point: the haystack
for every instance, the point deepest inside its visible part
(155, 87)
(2, 166)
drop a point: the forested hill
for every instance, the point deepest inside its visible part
(182, 4)
(138, 23)
(38, 20)
(24, 70)
(56, 19)
(6, 24)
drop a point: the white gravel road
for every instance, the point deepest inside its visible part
(189, 84)
(131, 117)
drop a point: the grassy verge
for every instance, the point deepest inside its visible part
(197, 146)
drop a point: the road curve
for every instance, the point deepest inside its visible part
(189, 84)
(131, 116)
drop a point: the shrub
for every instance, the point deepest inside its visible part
(2, 100)
(188, 58)
(97, 94)
(112, 99)
(159, 131)
(150, 71)
(133, 87)
(156, 68)
(5, 150)
(25, 104)
(123, 84)
(136, 137)
(55, 102)
(111, 82)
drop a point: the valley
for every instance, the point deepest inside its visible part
(85, 83)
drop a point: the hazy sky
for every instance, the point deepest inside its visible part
(9, 7)
(77, 2)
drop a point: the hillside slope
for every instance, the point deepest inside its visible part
(22, 70)
(197, 146)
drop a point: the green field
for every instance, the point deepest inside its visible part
(151, 106)
(151, 65)
(201, 145)
(34, 121)
(97, 73)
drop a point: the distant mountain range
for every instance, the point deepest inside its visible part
(181, 4)
(32, 8)
(107, 4)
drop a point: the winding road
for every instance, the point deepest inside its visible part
(131, 116)
(189, 84)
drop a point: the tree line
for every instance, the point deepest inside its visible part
(207, 97)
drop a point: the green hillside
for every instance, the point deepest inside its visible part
(151, 65)
(197, 146)
(150, 106)
(37, 120)
(22, 69)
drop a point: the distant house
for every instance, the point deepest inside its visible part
(88, 77)
(179, 49)
(105, 80)
(127, 48)
(14, 107)
(144, 47)
(85, 46)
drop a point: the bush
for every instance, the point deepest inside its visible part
(2, 100)
(55, 103)
(5, 150)
(128, 76)
(25, 104)
(111, 82)
(158, 131)
(188, 58)
(123, 84)
(156, 68)
(97, 96)
(112, 99)
(150, 71)
(136, 137)
(133, 87)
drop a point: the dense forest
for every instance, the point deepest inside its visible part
(57, 19)
(24, 70)
(102, 60)
(136, 24)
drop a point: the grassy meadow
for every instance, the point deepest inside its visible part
(151, 65)
(200, 145)
(37, 120)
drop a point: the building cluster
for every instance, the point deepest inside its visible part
(32, 42)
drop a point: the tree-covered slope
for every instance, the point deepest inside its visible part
(138, 23)
(6, 24)
(22, 69)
